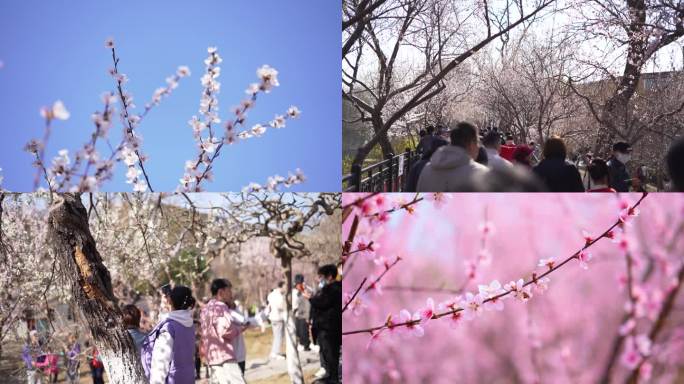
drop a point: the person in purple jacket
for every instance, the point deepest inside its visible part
(31, 352)
(73, 361)
(172, 341)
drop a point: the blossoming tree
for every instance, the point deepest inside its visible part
(560, 288)
(100, 251)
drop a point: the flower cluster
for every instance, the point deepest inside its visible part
(209, 144)
(171, 84)
(274, 182)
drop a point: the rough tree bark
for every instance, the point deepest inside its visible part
(80, 267)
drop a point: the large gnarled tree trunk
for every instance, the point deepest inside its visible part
(80, 266)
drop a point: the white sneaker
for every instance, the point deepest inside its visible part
(277, 357)
(321, 374)
(314, 347)
(300, 348)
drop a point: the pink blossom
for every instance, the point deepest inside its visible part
(541, 285)
(484, 257)
(438, 199)
(489, 292)
(487, 228)
(428, 312)
(472, 305)
(643, 344)
(645, 371)
(366, 207)
(584, 257)
(627, 327)
(381, 218)
(413, 326)
(471, 269)
(375, 337)
(519, 290)
(549, 262)
(630, 358)
(358, 305)
(455, 317)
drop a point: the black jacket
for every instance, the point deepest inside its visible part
(559, 175)
(326, 308)
(414, 174)
(618, 178)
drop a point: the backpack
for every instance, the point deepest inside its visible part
(148, 346)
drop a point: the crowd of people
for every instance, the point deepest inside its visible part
(465, 159)
(190, 334)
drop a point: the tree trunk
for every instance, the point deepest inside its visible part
(383, 139)
(80, 267)
(294, 366)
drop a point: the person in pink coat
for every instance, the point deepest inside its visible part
(219, 334)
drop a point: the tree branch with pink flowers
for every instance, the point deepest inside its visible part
(520, 289)
(563, 312)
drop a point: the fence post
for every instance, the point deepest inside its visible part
(407, 168)
(356, 177)
(390, 172)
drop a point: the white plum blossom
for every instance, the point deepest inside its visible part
(276, 181)
(183, 71)
(269, 78)
(140, 186)
(293, 112)
(209, 146)
(109, 43)
(61, 162)
(58, 111)
(253, 89)
(278, 121)
(258, 130)
(133, 173)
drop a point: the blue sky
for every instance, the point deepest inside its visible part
(55, 50)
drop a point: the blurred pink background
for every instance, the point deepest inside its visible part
(562, 336)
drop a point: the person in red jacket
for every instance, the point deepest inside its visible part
(508, 148)
(96, 365)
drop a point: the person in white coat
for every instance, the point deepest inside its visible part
(492, 144)
(277, 314)
(452, 168)
(239, 317)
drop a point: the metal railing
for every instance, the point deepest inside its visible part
(385, 176)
